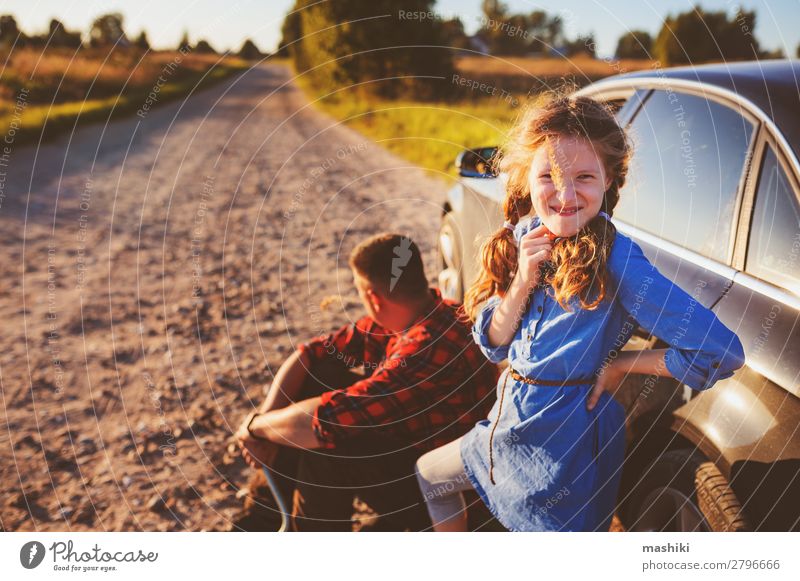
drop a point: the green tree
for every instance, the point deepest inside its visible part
(547, 31)
(772, 54)
(453, 33)
(184, 45)
(290, 33)
(519, 34)
(583, 44)
(635, 44)
(204, 47)
(375, 44)
(61, 37)
(10, 32)
(142, 41)
(506, 34)
(108, 30)
(494, 9)
(698, 36)
(250, 51)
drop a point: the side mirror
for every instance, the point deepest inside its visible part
(477, 163)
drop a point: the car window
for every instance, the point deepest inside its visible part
(625, 110)
(689, 154)
(773, 252)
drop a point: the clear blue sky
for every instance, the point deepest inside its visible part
(226, 23)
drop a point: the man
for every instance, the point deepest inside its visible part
(331, 434)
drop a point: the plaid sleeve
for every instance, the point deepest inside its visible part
(356, 344)
(410, 380)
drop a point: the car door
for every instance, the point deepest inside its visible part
(680, 203)
(684, 187)
(752, 423)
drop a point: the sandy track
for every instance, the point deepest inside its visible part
(156, 273)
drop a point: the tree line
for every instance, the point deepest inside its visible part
(106, 31)
(365, 45)
(694, 36)
(698, 36)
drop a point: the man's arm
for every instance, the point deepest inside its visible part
(412, 379)
(290, 425)
(363, 342)
(284, 391)
(386, 396)
(286, 421)
(288, 382)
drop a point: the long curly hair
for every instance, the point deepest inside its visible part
(579, 261)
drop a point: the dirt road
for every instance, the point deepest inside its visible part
(156, 272)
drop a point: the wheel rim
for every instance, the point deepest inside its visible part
(449, 275)
(446, 248)
(668, 509)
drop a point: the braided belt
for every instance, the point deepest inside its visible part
(524, 379)
(530, 381)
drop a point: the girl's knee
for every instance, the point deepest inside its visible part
(429, 476)
(421, 470)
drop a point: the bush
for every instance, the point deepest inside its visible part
(387, 51)
(635, 44)
(697, 36)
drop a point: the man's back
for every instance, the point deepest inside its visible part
(422, 388)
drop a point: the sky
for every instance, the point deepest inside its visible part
(225, 24)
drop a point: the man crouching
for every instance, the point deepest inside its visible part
(328, 433)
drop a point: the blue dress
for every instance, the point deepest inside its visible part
(557, 466)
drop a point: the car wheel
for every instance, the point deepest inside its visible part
(682, 491)
(451, 281)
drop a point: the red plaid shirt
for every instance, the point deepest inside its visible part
(429, 386)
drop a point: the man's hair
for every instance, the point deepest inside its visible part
(392, 264)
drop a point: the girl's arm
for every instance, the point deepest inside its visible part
(534, 248)
(702, 350)
(509, 312)
(646, 362)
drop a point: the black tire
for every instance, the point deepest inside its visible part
(449, 229)
(682, 491)
(718, 502)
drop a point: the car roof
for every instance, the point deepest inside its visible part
(772, 85)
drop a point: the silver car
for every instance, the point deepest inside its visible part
(713, 199)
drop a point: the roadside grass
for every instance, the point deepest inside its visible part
(427, 134)
(45, 94)
(431, 134)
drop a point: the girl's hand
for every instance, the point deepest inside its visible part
(609, 379)
(534, 248)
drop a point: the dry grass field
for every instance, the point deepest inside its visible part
(50, 89)
(529, 75)
(479, 113)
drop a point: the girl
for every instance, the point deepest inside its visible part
(565, 291)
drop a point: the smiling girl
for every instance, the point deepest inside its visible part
(558, 296)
